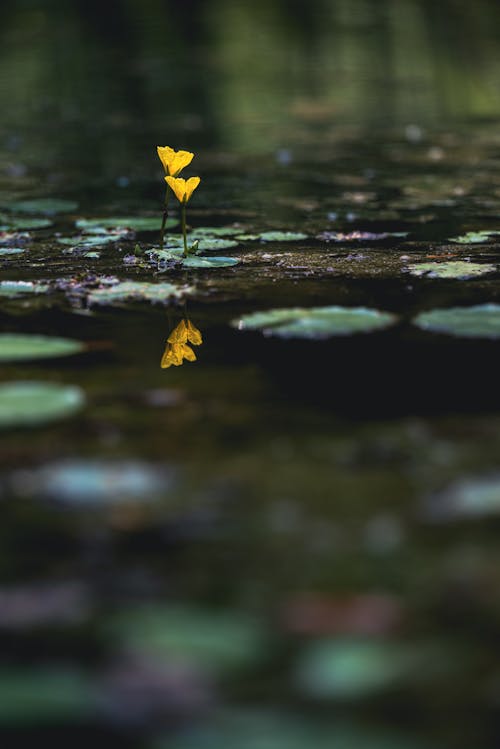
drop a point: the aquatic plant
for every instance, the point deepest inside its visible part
(183, 190)
(173, 164)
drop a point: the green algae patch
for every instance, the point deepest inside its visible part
(20, 347)
(31, 403)
(316, 323)
(479, 321)
(457, 269)
(137, 291)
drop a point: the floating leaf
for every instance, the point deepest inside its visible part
(475, 237)
(17, 288)
(92, 241)
(205, 244)
(217, 640)
(32, 695)
(48, 206)
(83, 483)
(459, 269)
(214, 231)
(467, 498)
(135, 290)
(281, 236)
(479, 321)
(355, 668)
(5, 251)
(23, 347)
(359, 236)
(20, 223)
(134, 223)
(35, 403)
(192, 261)
(315, 322)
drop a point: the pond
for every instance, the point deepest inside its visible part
(250, 498)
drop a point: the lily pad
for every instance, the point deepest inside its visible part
(22, 347)
(217, 640)
(5, 251)
(35, 403)
(359, 236)
(49, 206)
(86, 483)
(17, 288)
(459, 269)
(281, 236)
(214, 231)
(22, 223)
(355, 668)
(205, 244)
(479, 321)
(89, 241)
(137, 291)
(316, 322)
(193, 261)
(475, 237)
(474, 497)
(134, 223)
(31, 695)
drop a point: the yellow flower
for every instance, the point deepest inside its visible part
(188, 353)
(174, 161)
(183, 188)
(193, 334)
(172, 355)
(179, 334)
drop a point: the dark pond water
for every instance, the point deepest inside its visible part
(292, 541)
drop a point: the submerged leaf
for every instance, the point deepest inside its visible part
(315, 322)
(459, 269)
(479, 321)
(35, 403)
(23, 347)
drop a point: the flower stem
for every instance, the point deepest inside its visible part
(164, 217)
(184, 233)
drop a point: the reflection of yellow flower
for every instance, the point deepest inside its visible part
(173, 161)
(177, 348)
(183, 188)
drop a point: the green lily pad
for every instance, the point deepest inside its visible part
(17, 288)
(467, 498)
(35, 403)
(479, 321)
(31, 695)
(217, 640)
(205, 244)
(92, 241)
(475, 237)
(23, 347)
(193, 261)
(49, 206)
(136, 291)
(214, 231)
(266, 729)
(459, 269)
(5, 251)
(281, 236)
(134, 223)
(355, 668)
(316, 322)
(22, 223)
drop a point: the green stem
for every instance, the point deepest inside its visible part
(184, 233)
(164, 217)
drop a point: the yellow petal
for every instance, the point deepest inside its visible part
(188, 353)
(179, 334)
(182, 188)
(193, 334)
(171, 356)
(173, 161)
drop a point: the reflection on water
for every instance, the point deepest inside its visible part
(177, 349)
